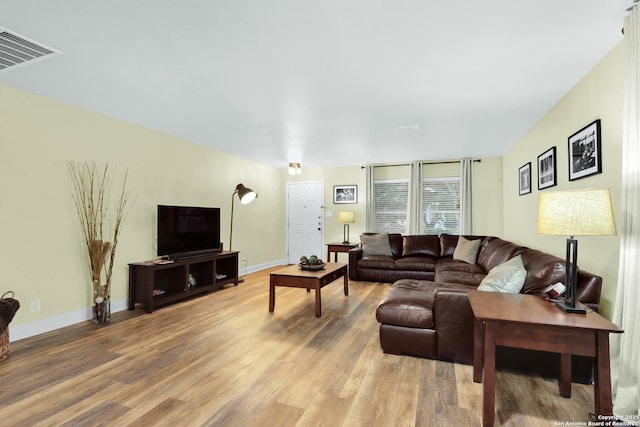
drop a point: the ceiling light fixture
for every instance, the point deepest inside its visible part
(295, 169)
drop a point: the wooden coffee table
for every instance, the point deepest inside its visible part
(531, 322)
(294, 277)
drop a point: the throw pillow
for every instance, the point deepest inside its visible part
(466, 250)
(507, 277)
(375, 244)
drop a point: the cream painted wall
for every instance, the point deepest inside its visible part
(41, 250)
(599, 95)
(487, 197)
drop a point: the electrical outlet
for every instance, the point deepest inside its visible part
(244, 260)
(35, 305)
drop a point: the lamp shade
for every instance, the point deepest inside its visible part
(576, 213)
(346, 217)
(246, 195)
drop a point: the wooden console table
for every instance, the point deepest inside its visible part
(338, 247)
(531, 322)
(154, 284)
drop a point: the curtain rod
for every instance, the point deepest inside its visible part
(428, 162)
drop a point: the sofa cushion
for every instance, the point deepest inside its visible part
(466, 250)
(496, 251)
(451, 271)
(395, 241)
(380, 262)
(459, 278)
(448, 243)
(450, 264)
(544, 269)
(420, 245)
(416, 263)
(375, 244)
(408, 303)
(507, 277)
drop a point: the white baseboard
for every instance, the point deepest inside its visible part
(56, 322)
(264, 266)
(67, 319)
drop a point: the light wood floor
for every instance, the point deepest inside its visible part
(223, 360)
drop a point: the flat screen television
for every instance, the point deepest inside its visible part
(188, 231)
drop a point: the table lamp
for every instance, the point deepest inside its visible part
(575, 213)
(346, 217)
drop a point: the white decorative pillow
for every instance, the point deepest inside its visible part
(375, 244)
(507, 277)
(466, 250)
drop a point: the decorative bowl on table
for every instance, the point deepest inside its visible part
(311, 263)
(311, 267)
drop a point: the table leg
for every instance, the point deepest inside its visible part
(132, 289)
(346, 283)
(478, 350)
(602, 376)
(328, 254)
(272, 295)
(489, 386)
(335, 256)
(318, 303)
(564, 379)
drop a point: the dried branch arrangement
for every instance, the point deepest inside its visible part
(91, 196)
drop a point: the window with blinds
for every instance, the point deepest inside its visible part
(391, 203)
(441, 205)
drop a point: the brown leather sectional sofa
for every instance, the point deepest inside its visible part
(426, 312)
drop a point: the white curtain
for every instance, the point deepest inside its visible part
(466, 172)
(370, 212)
(625, 348)
(415, 199)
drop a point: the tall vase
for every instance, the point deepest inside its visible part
(101, 303)
(102, 310)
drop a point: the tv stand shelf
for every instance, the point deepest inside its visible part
(153, 285)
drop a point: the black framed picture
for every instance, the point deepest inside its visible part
(524, 175)
(585, 152)
(547, 169)
(345, 194)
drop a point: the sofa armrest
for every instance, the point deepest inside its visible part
(453, 318)
(354, 255)
(589, 289)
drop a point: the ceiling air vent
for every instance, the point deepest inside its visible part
(16, 50)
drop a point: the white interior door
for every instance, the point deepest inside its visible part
(305, 220)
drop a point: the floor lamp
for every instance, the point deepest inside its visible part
(575, 213)
(246, 195)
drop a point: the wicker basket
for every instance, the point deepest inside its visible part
(4, 345)
(8, 308)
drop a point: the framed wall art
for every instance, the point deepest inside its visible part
(524, 175)
(345, 194)
(585, 152)
(547, 169)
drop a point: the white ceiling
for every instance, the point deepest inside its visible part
(321, 82)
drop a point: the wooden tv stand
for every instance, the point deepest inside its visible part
(152, 284)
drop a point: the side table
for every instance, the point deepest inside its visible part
(339, 247)
(531, 322)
